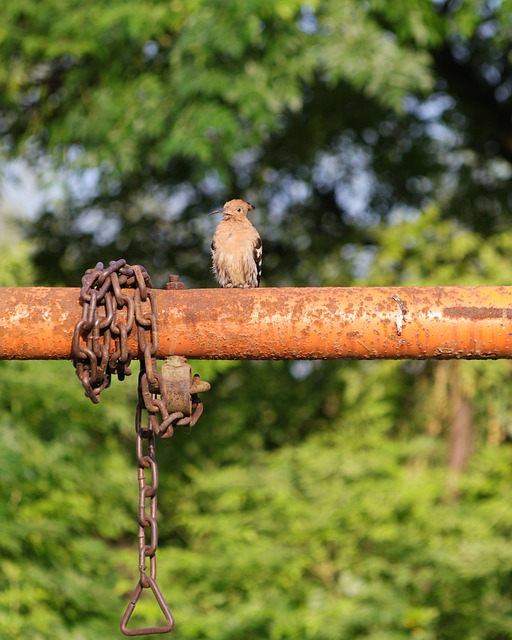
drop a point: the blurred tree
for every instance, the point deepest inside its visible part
(62, 513)
(345, 536)
(328, 115)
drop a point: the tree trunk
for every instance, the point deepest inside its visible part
(461, 436)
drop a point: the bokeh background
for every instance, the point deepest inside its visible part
(316, 500)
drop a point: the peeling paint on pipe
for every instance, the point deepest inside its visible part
(282, 323)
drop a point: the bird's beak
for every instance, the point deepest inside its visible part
(221, 210)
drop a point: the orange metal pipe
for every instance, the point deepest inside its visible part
(283, 323)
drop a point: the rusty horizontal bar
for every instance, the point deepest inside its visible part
(283, 323)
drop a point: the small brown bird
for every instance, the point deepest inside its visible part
(236, 247)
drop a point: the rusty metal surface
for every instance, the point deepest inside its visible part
(282, 323)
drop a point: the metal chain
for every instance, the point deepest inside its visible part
(148, 527)
(107, 319)
(100, 340)
(100, 348)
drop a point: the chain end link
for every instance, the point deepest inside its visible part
(134, 599)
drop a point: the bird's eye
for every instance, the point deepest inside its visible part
(239, 210)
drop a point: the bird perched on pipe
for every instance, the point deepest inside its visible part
(236, 247)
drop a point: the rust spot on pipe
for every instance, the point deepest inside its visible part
(475, 313)
(399, 322)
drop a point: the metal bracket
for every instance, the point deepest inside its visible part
(179, 391)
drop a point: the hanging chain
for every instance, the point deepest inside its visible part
(100, 348)
(148, 526)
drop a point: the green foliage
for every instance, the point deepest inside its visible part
(424, 249)
(345, 536)
(179, 106)
(67, 491)
(17, 268)
(181, 80)
(359, 51)
(348, 535)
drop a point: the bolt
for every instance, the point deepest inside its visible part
(174, 283)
